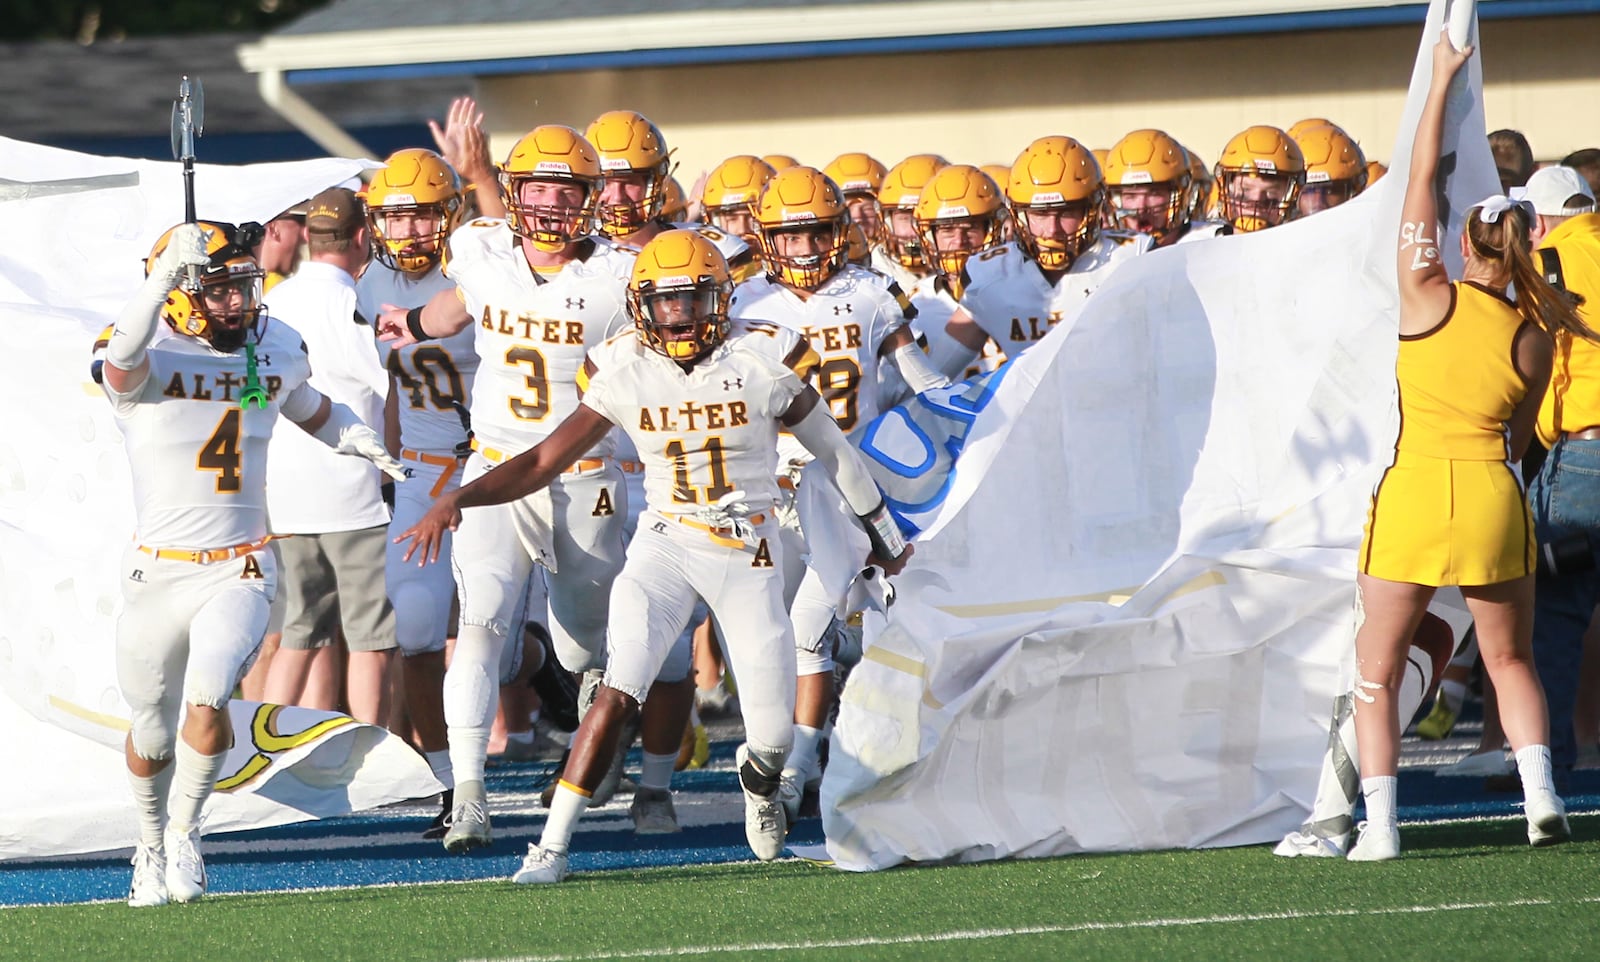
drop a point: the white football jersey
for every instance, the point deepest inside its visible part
(433, 379)
(935, 306)
(533, 331)
(734, 249)
(1008, 296)
(845, 321)
(701, 433)
(892, 269)
(1205, 230)
(199, 461)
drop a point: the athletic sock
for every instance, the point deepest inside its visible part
(1379, 793)
(193, 778)
(803, 756)
(150, 798)
(1533, 765)
(657, 771)
(566, 805)
(439, 762)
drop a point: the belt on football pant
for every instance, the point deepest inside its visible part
(450, 465)
(727, 537)
(631, 467)
(202, 557)
(496, 456)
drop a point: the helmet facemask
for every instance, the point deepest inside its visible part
(1059, 253)
(551, 227)
(410, 238)
(1245, 199)
(904, 249)
(1138, 208)
(806, 271)
(628, 217)
(950, 257)
(682, 318)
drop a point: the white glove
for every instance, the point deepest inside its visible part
(729, 513)
(186, 247)
(358, 440)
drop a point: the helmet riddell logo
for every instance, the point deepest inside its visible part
(553, 166)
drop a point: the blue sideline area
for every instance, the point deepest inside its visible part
(382, 847)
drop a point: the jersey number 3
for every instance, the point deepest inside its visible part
(221, 452)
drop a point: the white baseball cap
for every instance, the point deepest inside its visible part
(1550, 187)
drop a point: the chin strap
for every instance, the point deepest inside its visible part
(253, 395)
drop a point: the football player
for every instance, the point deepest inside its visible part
(959, 215)
(539, 290)
(855, 320)
(1018, 292)
(1151, 186)
(704, 398)
(730, 190)
(413, 203)
(1336, 169)
(859, 176)
(1259, 179)
(196, 405)
(899, 251)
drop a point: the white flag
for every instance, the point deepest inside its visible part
(1130, 608)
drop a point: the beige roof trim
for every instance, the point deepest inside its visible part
(731, 28)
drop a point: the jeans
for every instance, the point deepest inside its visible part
(1565, 498)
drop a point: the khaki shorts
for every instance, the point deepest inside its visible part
(335, 580)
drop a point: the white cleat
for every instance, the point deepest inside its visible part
(653, 813)
(1376, 844)
(469, 819)
(765, 826)
(1308, 845)
(186, 870)
(1547, 819)
(149, 877)
(791, 791)
(541, 867)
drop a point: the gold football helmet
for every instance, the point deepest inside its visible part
(1149, 184)
(803, 227)
(1336, 169)
(1301, 126)
(858, 176)
(731, 190)
(959, 214)
(629, 144)
(412, 205)
(224, 308)
(1259, 178)
(1057, 194)
(678, 295)
(1375, 171)
(552, 154)
(897, 200)
(1203, 189)
(779, 161)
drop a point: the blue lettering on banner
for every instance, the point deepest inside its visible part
(912, 449)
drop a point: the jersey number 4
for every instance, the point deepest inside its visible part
(221, 452)
(683, 491)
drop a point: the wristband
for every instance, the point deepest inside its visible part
(887, 541)
(414, 325)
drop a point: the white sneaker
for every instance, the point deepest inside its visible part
(1478, 765)
(653, 813)
(541, 867)
(469, 819)
(1309, 845)
(765, 826)
(1547, 819)
(149, 877)
(1376, 844)
(186, 870)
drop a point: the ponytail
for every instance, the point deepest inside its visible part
(1505, 244)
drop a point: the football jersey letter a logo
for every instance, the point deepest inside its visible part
(602, 504)
(763, 558)
(252, 568)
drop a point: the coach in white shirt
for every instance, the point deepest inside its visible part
(331, 507)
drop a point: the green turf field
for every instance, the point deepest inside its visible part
(1462, 891)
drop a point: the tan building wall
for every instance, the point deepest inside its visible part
(984, 106)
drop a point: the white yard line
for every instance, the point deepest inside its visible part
(980, 935)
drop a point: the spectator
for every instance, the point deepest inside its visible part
(1513, 158)
(1587, 163)
(332, 507)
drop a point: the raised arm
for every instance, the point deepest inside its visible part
(127, 361)
(465, 146)
(1424, 284)
(522, 475)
